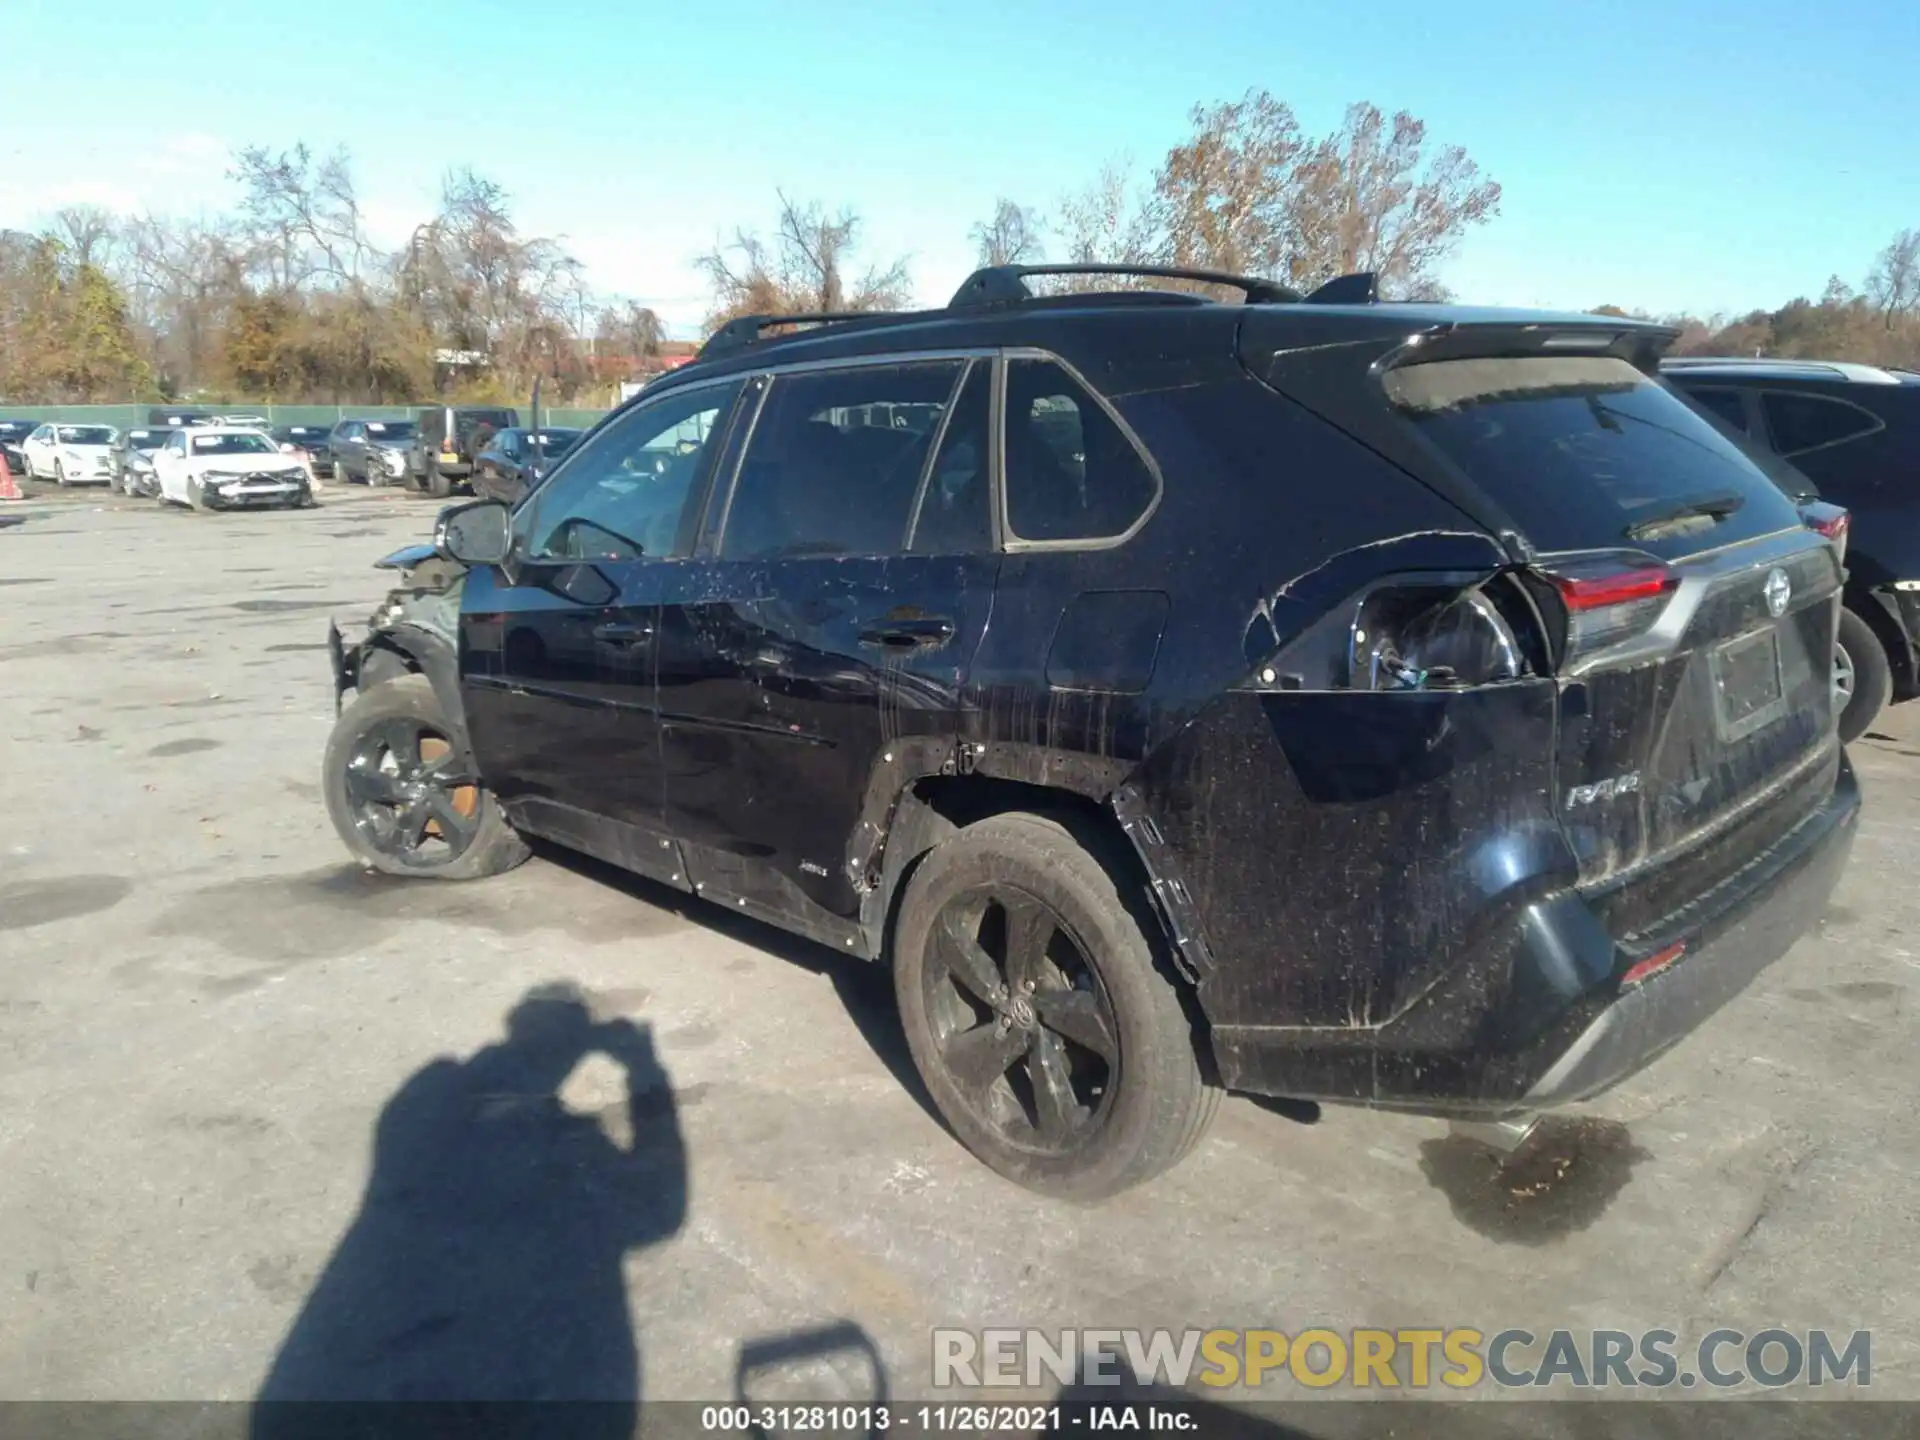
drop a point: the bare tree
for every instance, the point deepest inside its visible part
(1368, 198)
(1011, 237)
(87, 232)
(302, 216)
(1894, 284)
(1222, 199)
(1108, 223)
(805, 269)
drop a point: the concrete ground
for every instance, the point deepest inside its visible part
(204, 1011)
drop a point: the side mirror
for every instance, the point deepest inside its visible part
(477, 533)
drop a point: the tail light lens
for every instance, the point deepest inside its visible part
(1609, 599)
(1834, 523)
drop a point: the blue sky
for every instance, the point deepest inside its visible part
(1660, 153)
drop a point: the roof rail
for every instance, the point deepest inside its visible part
(1780, 364)
(739, 333)
(1360, 288)
(1006, 284)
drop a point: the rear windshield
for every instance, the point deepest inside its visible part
(1588, 453)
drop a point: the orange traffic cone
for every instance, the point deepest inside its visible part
(9, 487)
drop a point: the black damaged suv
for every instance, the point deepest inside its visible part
(1409, 706)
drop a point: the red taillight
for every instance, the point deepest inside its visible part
(1609, 598)
(1836, 528)
(1581, 593)
(1653, 964)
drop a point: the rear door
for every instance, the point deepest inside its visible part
(820, 650)
(1695, 614)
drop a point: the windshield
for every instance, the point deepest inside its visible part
(86, 434)
(1588, 453)
(148, 439)
(390, 429)
(15, 427)
(234, 444)
(551, 442)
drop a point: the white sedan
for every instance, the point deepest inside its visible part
(217, 467)
(70, 454)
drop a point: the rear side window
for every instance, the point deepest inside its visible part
(1729, 405)
(1806, 422)
(1071, 472)
(1587, 452)
(836, 460)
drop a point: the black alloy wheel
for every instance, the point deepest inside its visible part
(1023, 1027)
(406, 795)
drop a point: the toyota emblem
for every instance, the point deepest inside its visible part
(1778, 590)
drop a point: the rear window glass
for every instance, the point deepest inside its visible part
(1587, 452)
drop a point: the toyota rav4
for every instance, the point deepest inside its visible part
(1400, 705)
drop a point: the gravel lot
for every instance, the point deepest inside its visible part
(204, 1011)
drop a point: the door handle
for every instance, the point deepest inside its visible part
(909, 634)
(617, 633)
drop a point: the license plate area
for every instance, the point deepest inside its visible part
(1749, 684)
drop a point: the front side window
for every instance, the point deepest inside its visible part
(836, 460)
(1806, 422)
(627, 494)
(1071, 472)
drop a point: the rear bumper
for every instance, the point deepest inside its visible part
(1783, 893)
(1530, 1052)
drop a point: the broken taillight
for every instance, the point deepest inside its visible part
(1833, 522)
(1420, 637)
(1609, 599)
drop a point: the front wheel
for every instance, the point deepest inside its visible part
(1862, 676)
(1049, 1032)
(59, 472)
(397, 795)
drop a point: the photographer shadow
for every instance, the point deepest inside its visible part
(486, 1261)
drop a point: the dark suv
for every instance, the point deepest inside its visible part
(451, 437)
(1410, 706)
(1853, 432)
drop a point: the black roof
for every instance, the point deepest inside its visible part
(994, 308)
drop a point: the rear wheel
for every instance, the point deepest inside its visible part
(1050, 1035)
(1862, 676)
(438, 485)
(398, 797)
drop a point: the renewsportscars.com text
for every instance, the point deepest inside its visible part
(1459, 1358)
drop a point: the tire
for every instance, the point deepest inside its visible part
(438, 485)
(1863, 678)
(1142, 1109)
(196, 496)
(340, 476)
(406, 703)
(60, 473)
